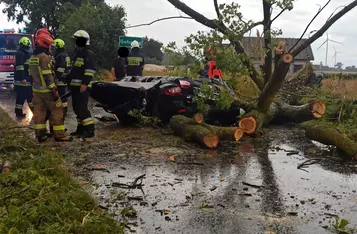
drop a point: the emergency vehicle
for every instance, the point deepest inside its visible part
(9, 43)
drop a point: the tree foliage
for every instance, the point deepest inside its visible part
(103, 23)
(152, 50)
(38, 13)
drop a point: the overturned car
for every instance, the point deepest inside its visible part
(161, 97)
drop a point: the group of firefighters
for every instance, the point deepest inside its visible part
(42, 79)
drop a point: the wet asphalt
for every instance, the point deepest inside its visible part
(252, 186)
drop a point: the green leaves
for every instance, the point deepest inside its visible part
(340, 226)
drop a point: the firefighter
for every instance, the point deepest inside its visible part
(22, 78)
(45, 92)
(135, 61)
(80, 77)
(61, 68)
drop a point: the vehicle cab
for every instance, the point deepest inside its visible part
(9, 43)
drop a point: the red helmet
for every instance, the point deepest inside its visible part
(44, 41)
(43, 31)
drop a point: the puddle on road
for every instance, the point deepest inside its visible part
(212, 198)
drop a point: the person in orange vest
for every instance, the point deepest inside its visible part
(213, 71)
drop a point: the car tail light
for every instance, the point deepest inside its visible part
(175, 91)
(184, 84)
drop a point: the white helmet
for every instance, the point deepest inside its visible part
(135, 44)
(83, 34)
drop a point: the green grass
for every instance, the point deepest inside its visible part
(39, 195)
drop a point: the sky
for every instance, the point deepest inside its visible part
(292, 23)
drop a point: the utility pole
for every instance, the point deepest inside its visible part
(326, 49)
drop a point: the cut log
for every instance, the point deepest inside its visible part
(198, 118)
(330, 136)
(186, 128)
(280, 111)
(223, 133)
(226, 133)
(248, 124)
(299, 114)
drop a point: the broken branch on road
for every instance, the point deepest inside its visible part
(307, 163)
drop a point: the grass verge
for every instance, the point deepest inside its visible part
(38, 195)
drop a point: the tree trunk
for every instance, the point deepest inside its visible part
(226, 133)
(187, 129)
(223, 133)
(299, 114)
(255, 119)
(270, 90)
(330, 136)
(268, 61)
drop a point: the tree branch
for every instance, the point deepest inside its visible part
(268, 64)
(158, 20)
(278, 15)
(216, 7)
(221, 28)
(194, 14)
(324, 28)
(307, 27)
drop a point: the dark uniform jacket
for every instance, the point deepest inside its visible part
(22, 58)
(62, 65)
(83, 69)
(135, 63)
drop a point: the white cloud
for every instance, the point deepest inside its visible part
(292, 23)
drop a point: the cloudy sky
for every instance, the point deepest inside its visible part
(292, 23)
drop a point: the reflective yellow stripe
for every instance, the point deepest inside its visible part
(51, 86)
(78, 63)
(58, 104)
(88, 123)
(40, 90)
(24, 85)
(58, 128)
(43, 83)
(89, 74)
(76, 84)
(46, 72)
(20, 68)
(40, 126)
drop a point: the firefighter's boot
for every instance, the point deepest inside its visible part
(19, 113)
(88, 132)
(64, 139)
(42, 138)
(79, 131)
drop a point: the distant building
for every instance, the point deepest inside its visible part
(252, 47)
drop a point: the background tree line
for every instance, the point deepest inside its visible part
(104, 23)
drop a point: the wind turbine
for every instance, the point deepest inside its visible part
(335, 55)
(326, 42)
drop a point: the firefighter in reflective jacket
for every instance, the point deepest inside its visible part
(45, 92)
(80, 77)
(22, 78)
(61, 68)
(135, 61)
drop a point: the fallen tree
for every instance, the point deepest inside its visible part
(207, 135)
(282, 112)
(223, 133)
(231, 25)
(187, 129)
(331, 136)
